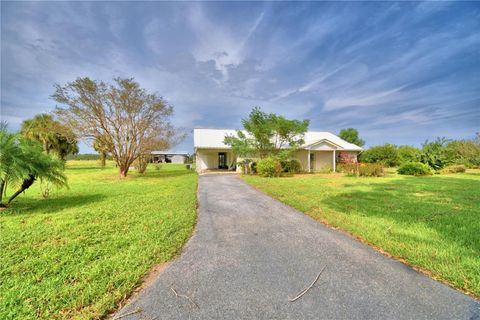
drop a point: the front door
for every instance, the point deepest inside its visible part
(312, 161)
(222, 160)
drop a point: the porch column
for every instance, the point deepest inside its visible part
(308, 160)
(334, 160)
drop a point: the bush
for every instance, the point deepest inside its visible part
(386, 155)
(325, 170)
(414, 169)
(350, 169)
(291, 166)
(371, 170)
(454, 169)
(362, 169)
(269, 167)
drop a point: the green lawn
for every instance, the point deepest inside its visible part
(430, 222)
(81, 252)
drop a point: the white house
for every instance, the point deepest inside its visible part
(321, 150)
(169, 156)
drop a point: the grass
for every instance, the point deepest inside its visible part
(83, 251)
(431, 222)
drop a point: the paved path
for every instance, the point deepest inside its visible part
(250, 253)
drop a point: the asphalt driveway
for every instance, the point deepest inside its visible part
(250, 254)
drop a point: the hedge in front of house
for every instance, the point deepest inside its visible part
(269, 167)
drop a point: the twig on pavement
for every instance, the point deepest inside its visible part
(127, 314)
(301, 293)
(186, 297)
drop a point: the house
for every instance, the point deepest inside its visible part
(321, 150)
(169, 156)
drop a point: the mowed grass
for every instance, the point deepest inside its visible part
(81, 252)
(430, 222)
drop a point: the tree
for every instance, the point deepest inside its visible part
(409, 154)
(267, 134)
(351, 135)
(466, 152)
(121, 115)
(51, 134)
(434, 153)
(102, 149)
(22, 162)
(386, 155)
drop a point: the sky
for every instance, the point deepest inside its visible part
(398, 72)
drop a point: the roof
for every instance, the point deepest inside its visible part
(169, 152)
(213, 139)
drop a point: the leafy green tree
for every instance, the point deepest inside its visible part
(51, 134)
(22, 162)
(351, 135)
(267, 134)
(466, 152)
(386, 155)
(434, 153)
(409, 154)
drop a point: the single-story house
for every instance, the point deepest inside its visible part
(169, 156)
(321, 150)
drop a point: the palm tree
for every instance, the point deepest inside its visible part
(13, 166)
(51, 134)
(22, 162)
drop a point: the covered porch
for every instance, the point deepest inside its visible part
(215, 160)
(319, 156)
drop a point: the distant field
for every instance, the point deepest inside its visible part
(430, 222)
(84, 250)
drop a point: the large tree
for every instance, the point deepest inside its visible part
(51, 134)
(266, 134)
(126, 118)
(351, 135)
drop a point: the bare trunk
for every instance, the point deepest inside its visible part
(2, 186)
(123, 172)
(103, 157)
(45, 147)
(27, 183)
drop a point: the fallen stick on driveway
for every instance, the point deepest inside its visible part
(184, 296)
(301, 293)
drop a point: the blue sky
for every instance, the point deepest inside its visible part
(398, 72)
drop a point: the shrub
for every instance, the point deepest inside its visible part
(269, 167)
(362, 169)
(454, 169)
(414, 169)
(370, 170)
(350, 169)
(325, 170)
(386, 155)
(246, 166)
(291, 166)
